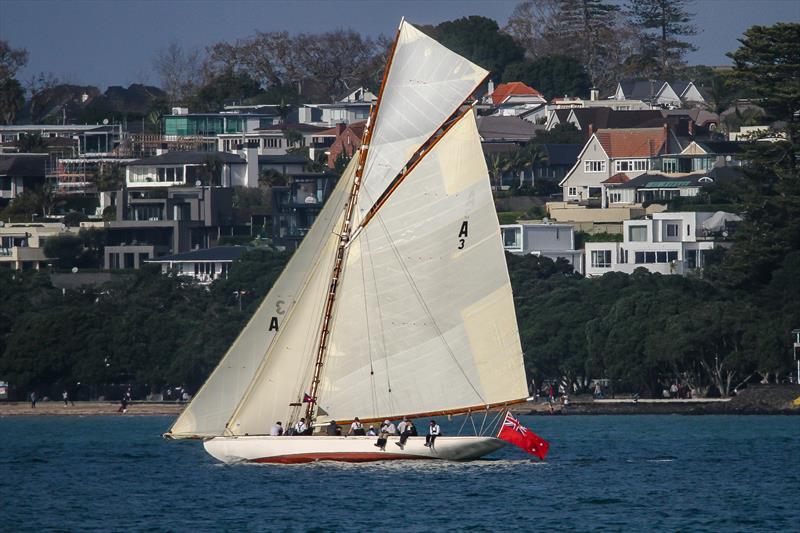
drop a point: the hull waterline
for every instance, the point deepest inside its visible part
(307, 449)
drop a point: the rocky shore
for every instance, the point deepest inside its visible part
(57, 408)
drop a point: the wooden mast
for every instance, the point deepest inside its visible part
(344, 237)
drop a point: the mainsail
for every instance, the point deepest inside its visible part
(425, 319)
(426, 83)
(213, 405)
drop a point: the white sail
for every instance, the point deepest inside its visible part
(286, 370)
(426, 84)
(424, 318)
(213, 405)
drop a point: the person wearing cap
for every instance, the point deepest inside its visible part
(387, 428)
(372, 432)
(407, 431)
(433, 431)
(356, 428)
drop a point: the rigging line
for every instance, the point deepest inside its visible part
(427, 310)
(464, 423)
(425, 149)
(471, 419)
(494, 422)
(380, 323)
(369, 342)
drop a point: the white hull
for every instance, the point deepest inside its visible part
(264, 449)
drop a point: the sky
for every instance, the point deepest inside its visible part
(105, 42)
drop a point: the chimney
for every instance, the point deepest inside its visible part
(691, 128)
(594, 94)
(490, 88)
(591, 130)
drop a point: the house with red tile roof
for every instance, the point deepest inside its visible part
(348, 141)
(514, 98)
(609, 152)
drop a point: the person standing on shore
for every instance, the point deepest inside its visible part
(65, 397)
(34, 397)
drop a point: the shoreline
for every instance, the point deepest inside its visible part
(755, 400)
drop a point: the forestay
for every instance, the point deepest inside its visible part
(425, 85)
(425, 319)
(213, 405)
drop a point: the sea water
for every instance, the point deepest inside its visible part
(603, 473)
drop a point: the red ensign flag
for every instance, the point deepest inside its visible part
(515, 433)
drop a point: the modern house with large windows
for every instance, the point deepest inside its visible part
(554, 241)
(666, 243)
(188, 168)
(296, 205)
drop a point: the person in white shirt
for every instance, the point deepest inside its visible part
(433, 431)
(277, 429)
(300, 428)
(390, 427)
(401, 427)
(356, 428)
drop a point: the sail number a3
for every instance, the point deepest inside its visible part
(463, 234)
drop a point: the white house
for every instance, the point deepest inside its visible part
(186, 168)
(205, 265)
(554, 241)
(667, 243)
(659, 92)
(608, 152)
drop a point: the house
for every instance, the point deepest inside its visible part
(657, 187)
(591, 119)
(22, 244)
(285, 164)
(558, 160)
(514, 98)
(295, 206)
(273, 139)
(611, 151)
(19, 172)
(354, 107)
(205, 265)
(190, 168)
(347, 142)
(666, 243)
(659, 92)
(554, 241)
(152, 222)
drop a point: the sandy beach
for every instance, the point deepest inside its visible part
(53, 408)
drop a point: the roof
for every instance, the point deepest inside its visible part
(189, 158)
(283, 159)
(619, 177)
(562, 154)
(499, 147)
(515, 88)
(605, 117)
(634, 142)
(219, 253)
(301, 128)
(642, 89)
(506, 128)
(721, 147)
(23, 165)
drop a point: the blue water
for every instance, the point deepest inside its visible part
(604, 473)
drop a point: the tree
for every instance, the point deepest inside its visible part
(665, 23)
(480, 40)
(228, 85)
(11, 60)
(179, 69)
(552, 75)
(768, 64)
(211, 170)
(31, 143)
(12, 98)
(110, 177)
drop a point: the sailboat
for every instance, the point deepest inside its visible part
(396, 304)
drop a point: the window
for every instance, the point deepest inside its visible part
(601, 258)
(649, 257)
(572, 191)
(594, 166)
(672, 256)
(672, 230)
(639, 258)
(512, 238)
(637, 233)
(627, 165)
(669, 165)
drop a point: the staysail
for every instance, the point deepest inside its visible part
(213, 405)
(425, 318)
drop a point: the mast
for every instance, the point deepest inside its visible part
(344, 237)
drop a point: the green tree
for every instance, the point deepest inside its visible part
(110, 177)
(31, 143)
(480, 40)
(553, 76)
(229, 85)
(665, 23)
(12, 98)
